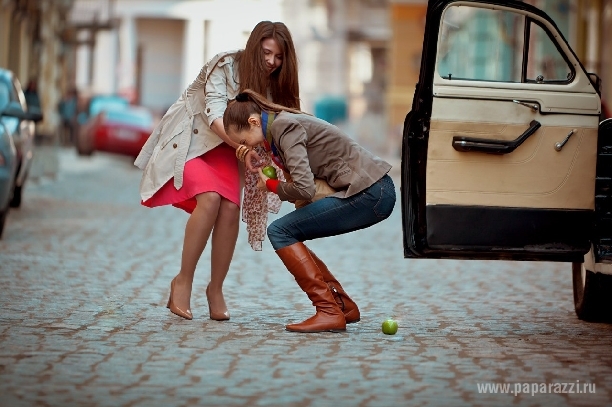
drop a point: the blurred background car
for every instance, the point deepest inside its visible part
(8, 158)
(19, 121)
(120, 131)
(16, 142)
(89, 117)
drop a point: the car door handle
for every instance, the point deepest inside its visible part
(489, 146)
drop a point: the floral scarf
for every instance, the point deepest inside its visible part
(256, 203)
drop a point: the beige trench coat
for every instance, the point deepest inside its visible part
(184, 131)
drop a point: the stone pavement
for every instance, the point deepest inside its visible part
(85, 272)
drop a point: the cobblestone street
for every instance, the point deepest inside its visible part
(85, 271)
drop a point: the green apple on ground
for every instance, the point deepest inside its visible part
(389, 327)
(269, 171)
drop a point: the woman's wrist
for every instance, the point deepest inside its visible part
(241, 152)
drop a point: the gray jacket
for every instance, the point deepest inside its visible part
(310, 147)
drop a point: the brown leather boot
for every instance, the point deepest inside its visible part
(346, 304)
(301, 265)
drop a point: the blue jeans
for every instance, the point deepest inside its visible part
(333, 216)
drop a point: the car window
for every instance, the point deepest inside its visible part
(13, 94)
(141, 118)
(105, 103)
(4, 96)
(481, 44)
(545, 62)
(488, 45)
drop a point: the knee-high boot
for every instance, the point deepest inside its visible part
(301, 265)
(346, 304)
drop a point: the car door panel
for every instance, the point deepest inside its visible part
(535, 175)
(547, 100)
(503, 229)
(534, 201)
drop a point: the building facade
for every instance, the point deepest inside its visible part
(363, 53)
(155, 49)
(33, 44)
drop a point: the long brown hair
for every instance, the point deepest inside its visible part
(283, 82)
(247, 103)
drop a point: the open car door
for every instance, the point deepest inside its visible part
(500, 149)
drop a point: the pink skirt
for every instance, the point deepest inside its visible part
(214, 171)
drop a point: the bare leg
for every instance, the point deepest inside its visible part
(197, 231)
(224, 236)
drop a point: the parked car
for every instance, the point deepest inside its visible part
(19, 120)
(8, 156)
(121, 131)
(96, 105)
(504, 156)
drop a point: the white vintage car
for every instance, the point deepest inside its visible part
(504, 156)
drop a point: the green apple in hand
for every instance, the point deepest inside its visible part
(269, 171)
(389, 327)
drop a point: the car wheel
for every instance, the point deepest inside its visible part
(16, 200)
(592, 293)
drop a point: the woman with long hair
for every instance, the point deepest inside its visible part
(316, 156)
(190, 162)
